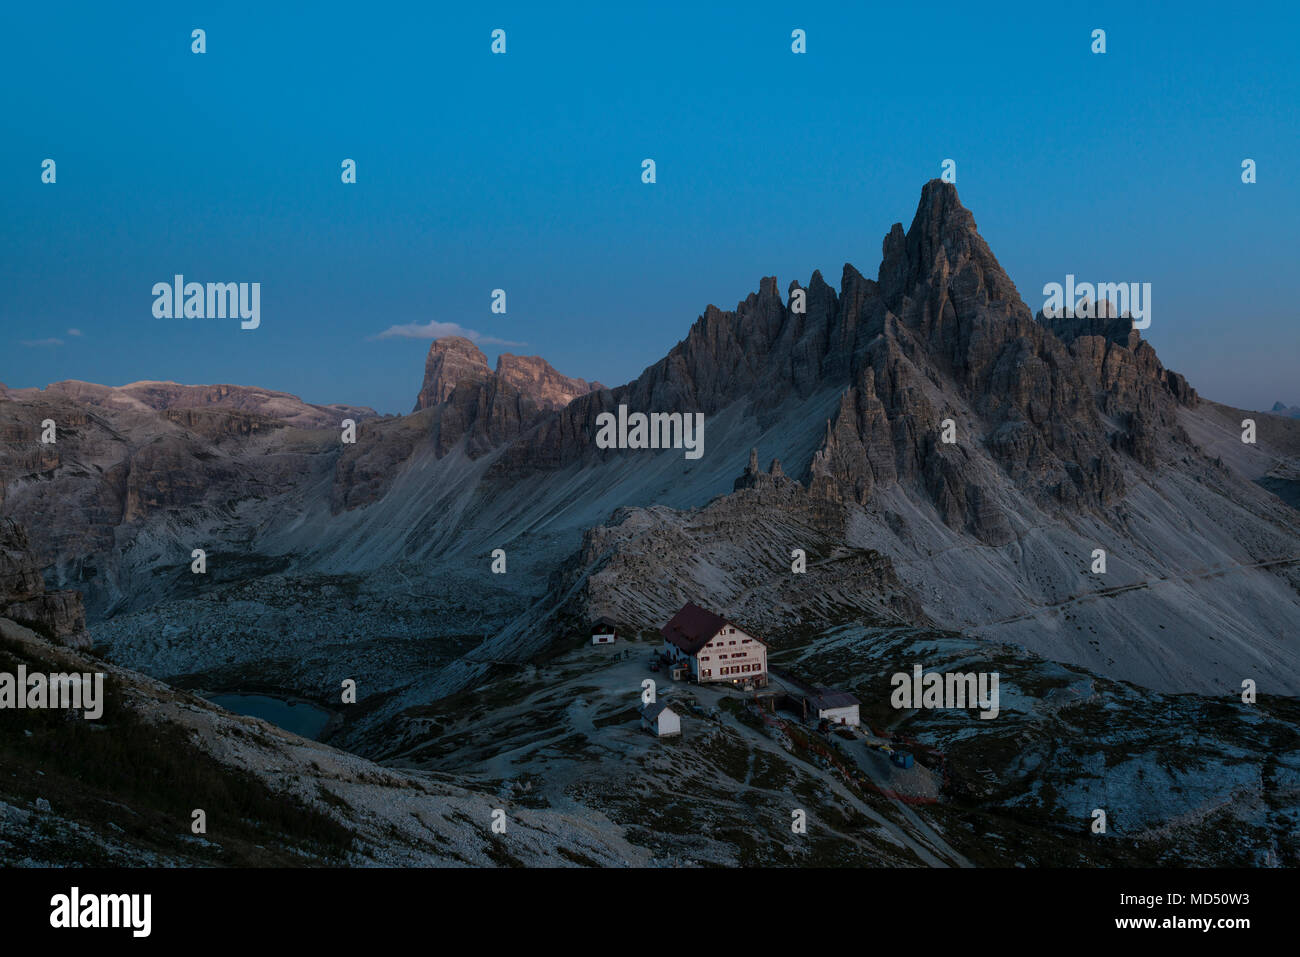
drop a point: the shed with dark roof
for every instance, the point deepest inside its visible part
(660, 719)
(836, 707)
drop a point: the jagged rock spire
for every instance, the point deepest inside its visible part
(775, 477)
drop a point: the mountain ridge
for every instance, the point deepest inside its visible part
(165, 396)
(1068, 437)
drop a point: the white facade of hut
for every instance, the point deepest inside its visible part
(837, 707)
(661, 720)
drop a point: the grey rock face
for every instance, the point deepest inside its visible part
(734, 555)
(534, 376)
(753, 477)
(451, 360)
(117, 475)
(23, 597)
(941, 334)
(20, 579)
(485, 408)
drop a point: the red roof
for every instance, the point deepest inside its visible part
(692, 627)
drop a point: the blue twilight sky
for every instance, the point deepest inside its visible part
(523, 171)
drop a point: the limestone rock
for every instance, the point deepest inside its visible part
(20, 578)
(59, 615)
(451, 360)
(485, 408)
(533, 376)
(753, 477)
(941, 333)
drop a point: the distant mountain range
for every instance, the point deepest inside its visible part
(172, 397)
(372, 560)
(1071, 436)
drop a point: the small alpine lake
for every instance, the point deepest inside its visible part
(299, 717)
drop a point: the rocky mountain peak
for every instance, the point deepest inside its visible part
(943, 251)
(455, 359)
(470, 405)
(450, 359)
(942, 329)
(534, 376)
(940, 218)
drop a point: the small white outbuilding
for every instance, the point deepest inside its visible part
(836, 707)
(661, 720)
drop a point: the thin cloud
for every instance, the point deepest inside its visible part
(436, 330)
(38, 343)
(74, 332)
